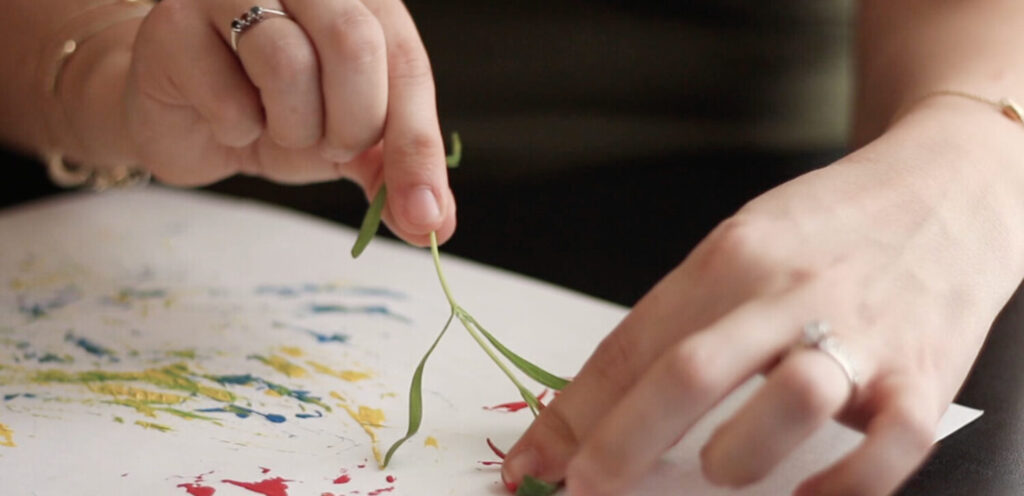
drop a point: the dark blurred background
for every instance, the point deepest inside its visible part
(604, 138)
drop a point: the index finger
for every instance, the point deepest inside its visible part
(419, 199)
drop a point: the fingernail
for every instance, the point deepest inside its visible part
(422, 208)
(517, 465)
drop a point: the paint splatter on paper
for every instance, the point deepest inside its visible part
(6, 436)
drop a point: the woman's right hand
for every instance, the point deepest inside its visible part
(339, 89)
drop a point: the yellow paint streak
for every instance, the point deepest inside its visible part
(430, 441)
(151, 425)
(136, 394)
(217, 394)
(292, 351)
(285, 367)
(369, 419)
(271, 392)
(139, 406)
(345, 375)
(337, 396)
(6, 436)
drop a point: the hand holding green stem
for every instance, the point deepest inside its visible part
(486, 340)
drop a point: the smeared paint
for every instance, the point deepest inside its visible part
(430, 441)
(137, 394)
(281, 365)
(292, 351)
(9, 397)
(390, 479)
(153, 426)
(251, 380)
(489, 463)
(194, 489)
(267, 487)
(38, 308)
(7, 436)
(515, 406)
(292, 291)
(319, 336)
(91, 347)
(243, 412)
(188, 354)
(377, 492)
(176, 377)
(54, 358)
(369, 419)
(343, 479)
(345, 375)
(264, 470)
(316, 414)
(381, 310)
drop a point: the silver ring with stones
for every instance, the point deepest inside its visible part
(250, 18)
(817, 335)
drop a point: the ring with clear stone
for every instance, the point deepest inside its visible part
(817, 335)
(250, 18)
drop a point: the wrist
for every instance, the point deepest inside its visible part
(968, 155)
(84, 73)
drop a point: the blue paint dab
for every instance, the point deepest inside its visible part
(242, 413)
(318, 414)
(320, 337)
(9, 397)
(91, 347)
(39, 308)
(359, 310)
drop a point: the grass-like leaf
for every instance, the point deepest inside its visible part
(455, 158)
(533, 371)
(371, 221)
(416, 396)
(535, 487)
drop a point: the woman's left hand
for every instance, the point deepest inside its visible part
(908, 247)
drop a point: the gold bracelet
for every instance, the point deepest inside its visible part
(1007, 106)
(75, 176)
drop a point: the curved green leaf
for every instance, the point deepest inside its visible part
(416, 396)
(371, 222)
(533, 371)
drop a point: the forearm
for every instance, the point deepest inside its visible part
(73, 107)
(909, 48)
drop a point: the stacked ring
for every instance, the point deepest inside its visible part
(250, 18)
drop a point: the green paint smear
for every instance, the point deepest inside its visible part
(151, 425)
(119, 420)
(187, 354)
(175, 377)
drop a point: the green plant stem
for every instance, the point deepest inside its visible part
(467, 320)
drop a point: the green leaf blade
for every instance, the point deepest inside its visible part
(371, 221)
(416, 396)
(531, 370)
(455, 158)
(535, 487)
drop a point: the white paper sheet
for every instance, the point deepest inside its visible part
(204, 304)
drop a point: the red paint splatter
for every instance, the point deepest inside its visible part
(343, 479)
(515, 406)
(361, 465)
(375, 492)
(326, 494)
(497, 451)
(264, 470)
(197, 490)
(390, 479)
(489, 463)
(268, 487)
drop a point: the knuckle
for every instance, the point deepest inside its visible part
(358, 37)
(810, 394)
(412, 150)
(917, 430)
(688, 365)
(736, 239)
(289, 63)
(409, 62)
(614, 357)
